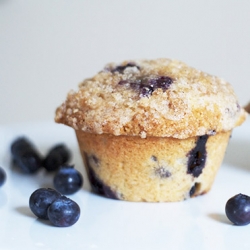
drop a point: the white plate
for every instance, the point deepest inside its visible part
(198, 223)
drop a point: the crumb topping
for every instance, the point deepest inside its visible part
(162, 97)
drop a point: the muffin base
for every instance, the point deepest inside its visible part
(153, 169)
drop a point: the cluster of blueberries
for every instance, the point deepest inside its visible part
(48, 203)
(26, 158)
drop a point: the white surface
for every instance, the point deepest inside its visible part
(48, 47)
(106, 224)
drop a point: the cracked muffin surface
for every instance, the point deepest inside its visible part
(162, 97)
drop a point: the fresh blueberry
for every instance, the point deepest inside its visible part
(68, 180)
(238, 209)
(41, 199)
(56, 157)
(63, 212)
(25, 156)
(2, 176)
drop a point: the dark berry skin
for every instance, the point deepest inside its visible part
(96, 184)
(120, 69)
(41, 199)
(197, 157)
(68, 180)
(56, 157)
(2, 176)
(25, 156)
(147, 85)
(194, 189)
(238, 209)
(99, 187)
(63, 212)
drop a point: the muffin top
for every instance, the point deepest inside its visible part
(162, 98)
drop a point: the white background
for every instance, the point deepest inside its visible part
(47, 47)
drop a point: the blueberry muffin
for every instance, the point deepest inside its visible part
(152, 130)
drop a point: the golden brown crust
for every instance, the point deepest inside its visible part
(194, 104)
